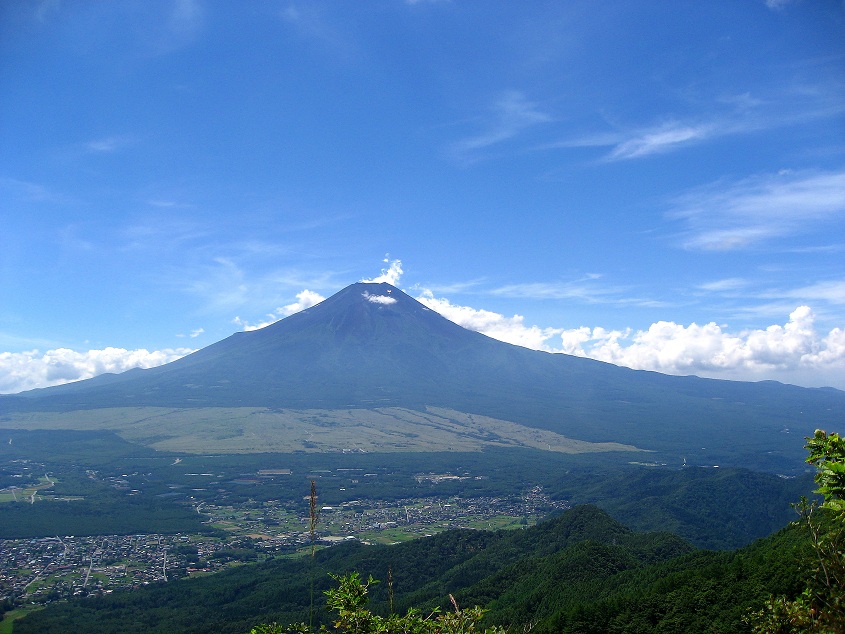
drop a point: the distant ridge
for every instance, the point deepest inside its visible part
(373, 346)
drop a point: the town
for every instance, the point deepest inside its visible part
(39, 571)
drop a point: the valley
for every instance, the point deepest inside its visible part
(111, 516)
(457, 463)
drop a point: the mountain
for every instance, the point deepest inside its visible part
(371, 346)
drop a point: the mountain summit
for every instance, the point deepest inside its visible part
(372, 346)
(368, 345)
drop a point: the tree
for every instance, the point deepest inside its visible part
(821, 606)
(349, 602)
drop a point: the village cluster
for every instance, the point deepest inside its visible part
(47, 569)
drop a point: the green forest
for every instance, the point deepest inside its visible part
(580, 572)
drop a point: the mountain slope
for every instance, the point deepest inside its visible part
(371, 345)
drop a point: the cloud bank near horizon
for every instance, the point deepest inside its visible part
(793, 352)
(20, 371)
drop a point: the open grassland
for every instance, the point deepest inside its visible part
(7, 623)
(25, 494)
(258, 430)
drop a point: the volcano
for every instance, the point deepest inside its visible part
(371, 346)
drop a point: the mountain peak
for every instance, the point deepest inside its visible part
(368, 311)
(371, 345)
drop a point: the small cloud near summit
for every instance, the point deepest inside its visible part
(378, 299)
(305, 299)
(390, 275)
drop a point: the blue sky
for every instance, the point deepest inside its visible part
(659, 185)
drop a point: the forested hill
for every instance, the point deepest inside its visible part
(579, 572)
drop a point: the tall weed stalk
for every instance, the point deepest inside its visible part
(314, 518)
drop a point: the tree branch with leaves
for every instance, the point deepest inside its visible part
(821, 606)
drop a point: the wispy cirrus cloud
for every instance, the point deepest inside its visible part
(510, 115)
(796, 102)
(178, 27)
(726, 216)
(778, 5)
(45, 8)
(831, 292)
(108, 145)
(29, 191)
(665, 138)
(587, 289)
(725, 285)
(661, 138)
(196, 332)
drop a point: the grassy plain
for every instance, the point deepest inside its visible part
(261, 430)
(7, 623)
(24, 494)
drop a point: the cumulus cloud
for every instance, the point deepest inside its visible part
(27, 370)
(710, 350)
(509, 329)
(304, 299)
(391, 275)
(379, 299)
(793, 352)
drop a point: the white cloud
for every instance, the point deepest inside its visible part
(729, 115)
(28, 370)
(778, 5)
(776, 352)
(664, 138)
(794, 352)
(107, 145)
(379, 299)
(511, 115)
(509, 329)
(832, 292)
(33, 192)
(45, 8)
(657, 139)
(727, 216)
(304, 299)
(728, 284)
(194, 333)
(391, 275)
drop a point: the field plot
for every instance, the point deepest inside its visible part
(262, 430)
